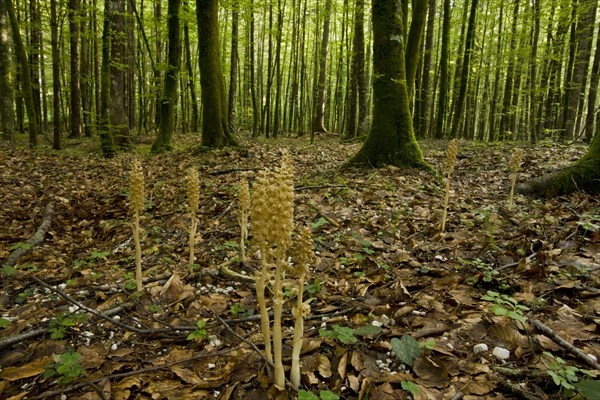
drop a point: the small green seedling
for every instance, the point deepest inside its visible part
(63, 322)
(407, 349)
(348, 335)
(4, 323)
(410, 387)
(564, 376)
(66, 366)
(506, 306)
(323, 395)
(200, 333)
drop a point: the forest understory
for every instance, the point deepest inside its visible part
(397, 308)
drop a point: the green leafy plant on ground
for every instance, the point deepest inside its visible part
(66, 366)
(564, 376)
(348, 335)
(323, 395)
(63, 322)
(407, 349)
(200, 333)
(506, 306)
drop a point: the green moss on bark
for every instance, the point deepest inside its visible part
(391, 140)
(583, 175)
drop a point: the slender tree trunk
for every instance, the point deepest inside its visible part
(464, 79)
(35, 58)
(56, 143)
(191, 82)
(593, 93)
(74, 24)
(7, 115)
(413, 46)
(86, 79)
(233, 71)
(25, 74)
(119, 64)
(423, 119)
(107, 142)
(252, 67)
(533, 84)
(443, 93)
(507, 112)
(568, 82)
(318, 120)
(585, 30)
(164, 138)
(215, 128)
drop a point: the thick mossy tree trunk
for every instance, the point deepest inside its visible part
(583, 175)
(215, 127)
(391, 140)
(164, 138)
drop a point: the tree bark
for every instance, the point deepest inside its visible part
(583, 175)
(318, 119)
(32, 116)
(233, 71)
(424, 118)
(464, 79)
(507, 112)
(164, 138)
(443, 94)
(7, 115)
(107, 142)
(391, 140)
(413, 46)
(56, 126)
(215, 128)
(74, 24)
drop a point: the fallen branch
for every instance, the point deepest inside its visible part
(21, 337)
(129, 373)
(230, 170)
(35, 240)
(564, 344)
(518, 391)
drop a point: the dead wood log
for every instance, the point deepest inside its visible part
(580, 355)
(37, 238)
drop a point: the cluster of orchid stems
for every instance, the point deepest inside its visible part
(449, 169)
(515, 164)
(193, 197)
(136, 204)
(272, 216)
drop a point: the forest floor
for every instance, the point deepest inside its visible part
(386, 277)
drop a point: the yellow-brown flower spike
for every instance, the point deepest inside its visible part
(515, 164)
(193, 196)
(243, 211)
(302, 255)
(449, 168)
(136, 193)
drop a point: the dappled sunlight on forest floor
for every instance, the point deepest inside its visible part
(382, 263)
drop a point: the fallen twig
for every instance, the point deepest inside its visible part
(130, 373)
(564, 344)
(518, 391)
(35, 240)
(230, 170)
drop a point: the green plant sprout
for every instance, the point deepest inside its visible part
(66, 366)
(506, 306)
(564, 376)
(410, 387)
(63, 322)
(200, 333)
(4, 323)
(407, 349)
(323, 395)
(348, 335)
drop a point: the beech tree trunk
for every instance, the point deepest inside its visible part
(7, 115)
(32, 123)
(583, 175)
(74, 24)
(391, 140)
(215, 127)
(56, 126)
(318, 119)
(443, 94)
(164, 138)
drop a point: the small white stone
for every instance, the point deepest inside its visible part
(377, 323)
(593, 357)
(211, 365)
(450, 346)
(114, 347)
(117, 317)
(500, 353)
(62, 286)
(480, 348)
